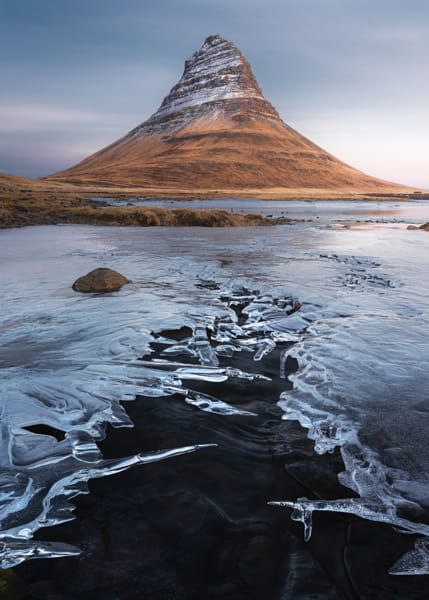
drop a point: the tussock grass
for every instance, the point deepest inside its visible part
(35, 209)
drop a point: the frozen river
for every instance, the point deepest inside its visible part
(358, 317)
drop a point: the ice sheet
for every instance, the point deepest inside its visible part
(355, 302)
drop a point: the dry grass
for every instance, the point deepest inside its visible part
(159, 216)
(38, 208)
(12, 186)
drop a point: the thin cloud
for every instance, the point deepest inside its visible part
(37, 117)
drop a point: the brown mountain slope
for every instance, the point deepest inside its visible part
(216, 131)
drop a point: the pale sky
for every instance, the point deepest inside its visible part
(352, 75)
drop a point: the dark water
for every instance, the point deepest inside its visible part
(200, 527)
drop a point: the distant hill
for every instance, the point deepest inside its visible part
(15, 184)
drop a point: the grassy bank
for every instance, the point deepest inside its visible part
(34, 209)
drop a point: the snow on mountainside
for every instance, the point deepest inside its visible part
(214, 75)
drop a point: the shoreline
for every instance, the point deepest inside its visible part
(28, 208)
(40, 202)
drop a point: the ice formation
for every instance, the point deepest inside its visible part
(71, 364)
(40, 473)
(42, 499)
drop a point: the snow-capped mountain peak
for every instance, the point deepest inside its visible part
(217, 78)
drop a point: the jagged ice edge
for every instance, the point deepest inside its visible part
(14, 545)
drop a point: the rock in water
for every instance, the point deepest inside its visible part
(100, 280)
(425, 227)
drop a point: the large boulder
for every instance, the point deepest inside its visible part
(100, 280)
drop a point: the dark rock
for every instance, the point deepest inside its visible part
(100, 280)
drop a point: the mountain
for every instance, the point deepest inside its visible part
(216, 131)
